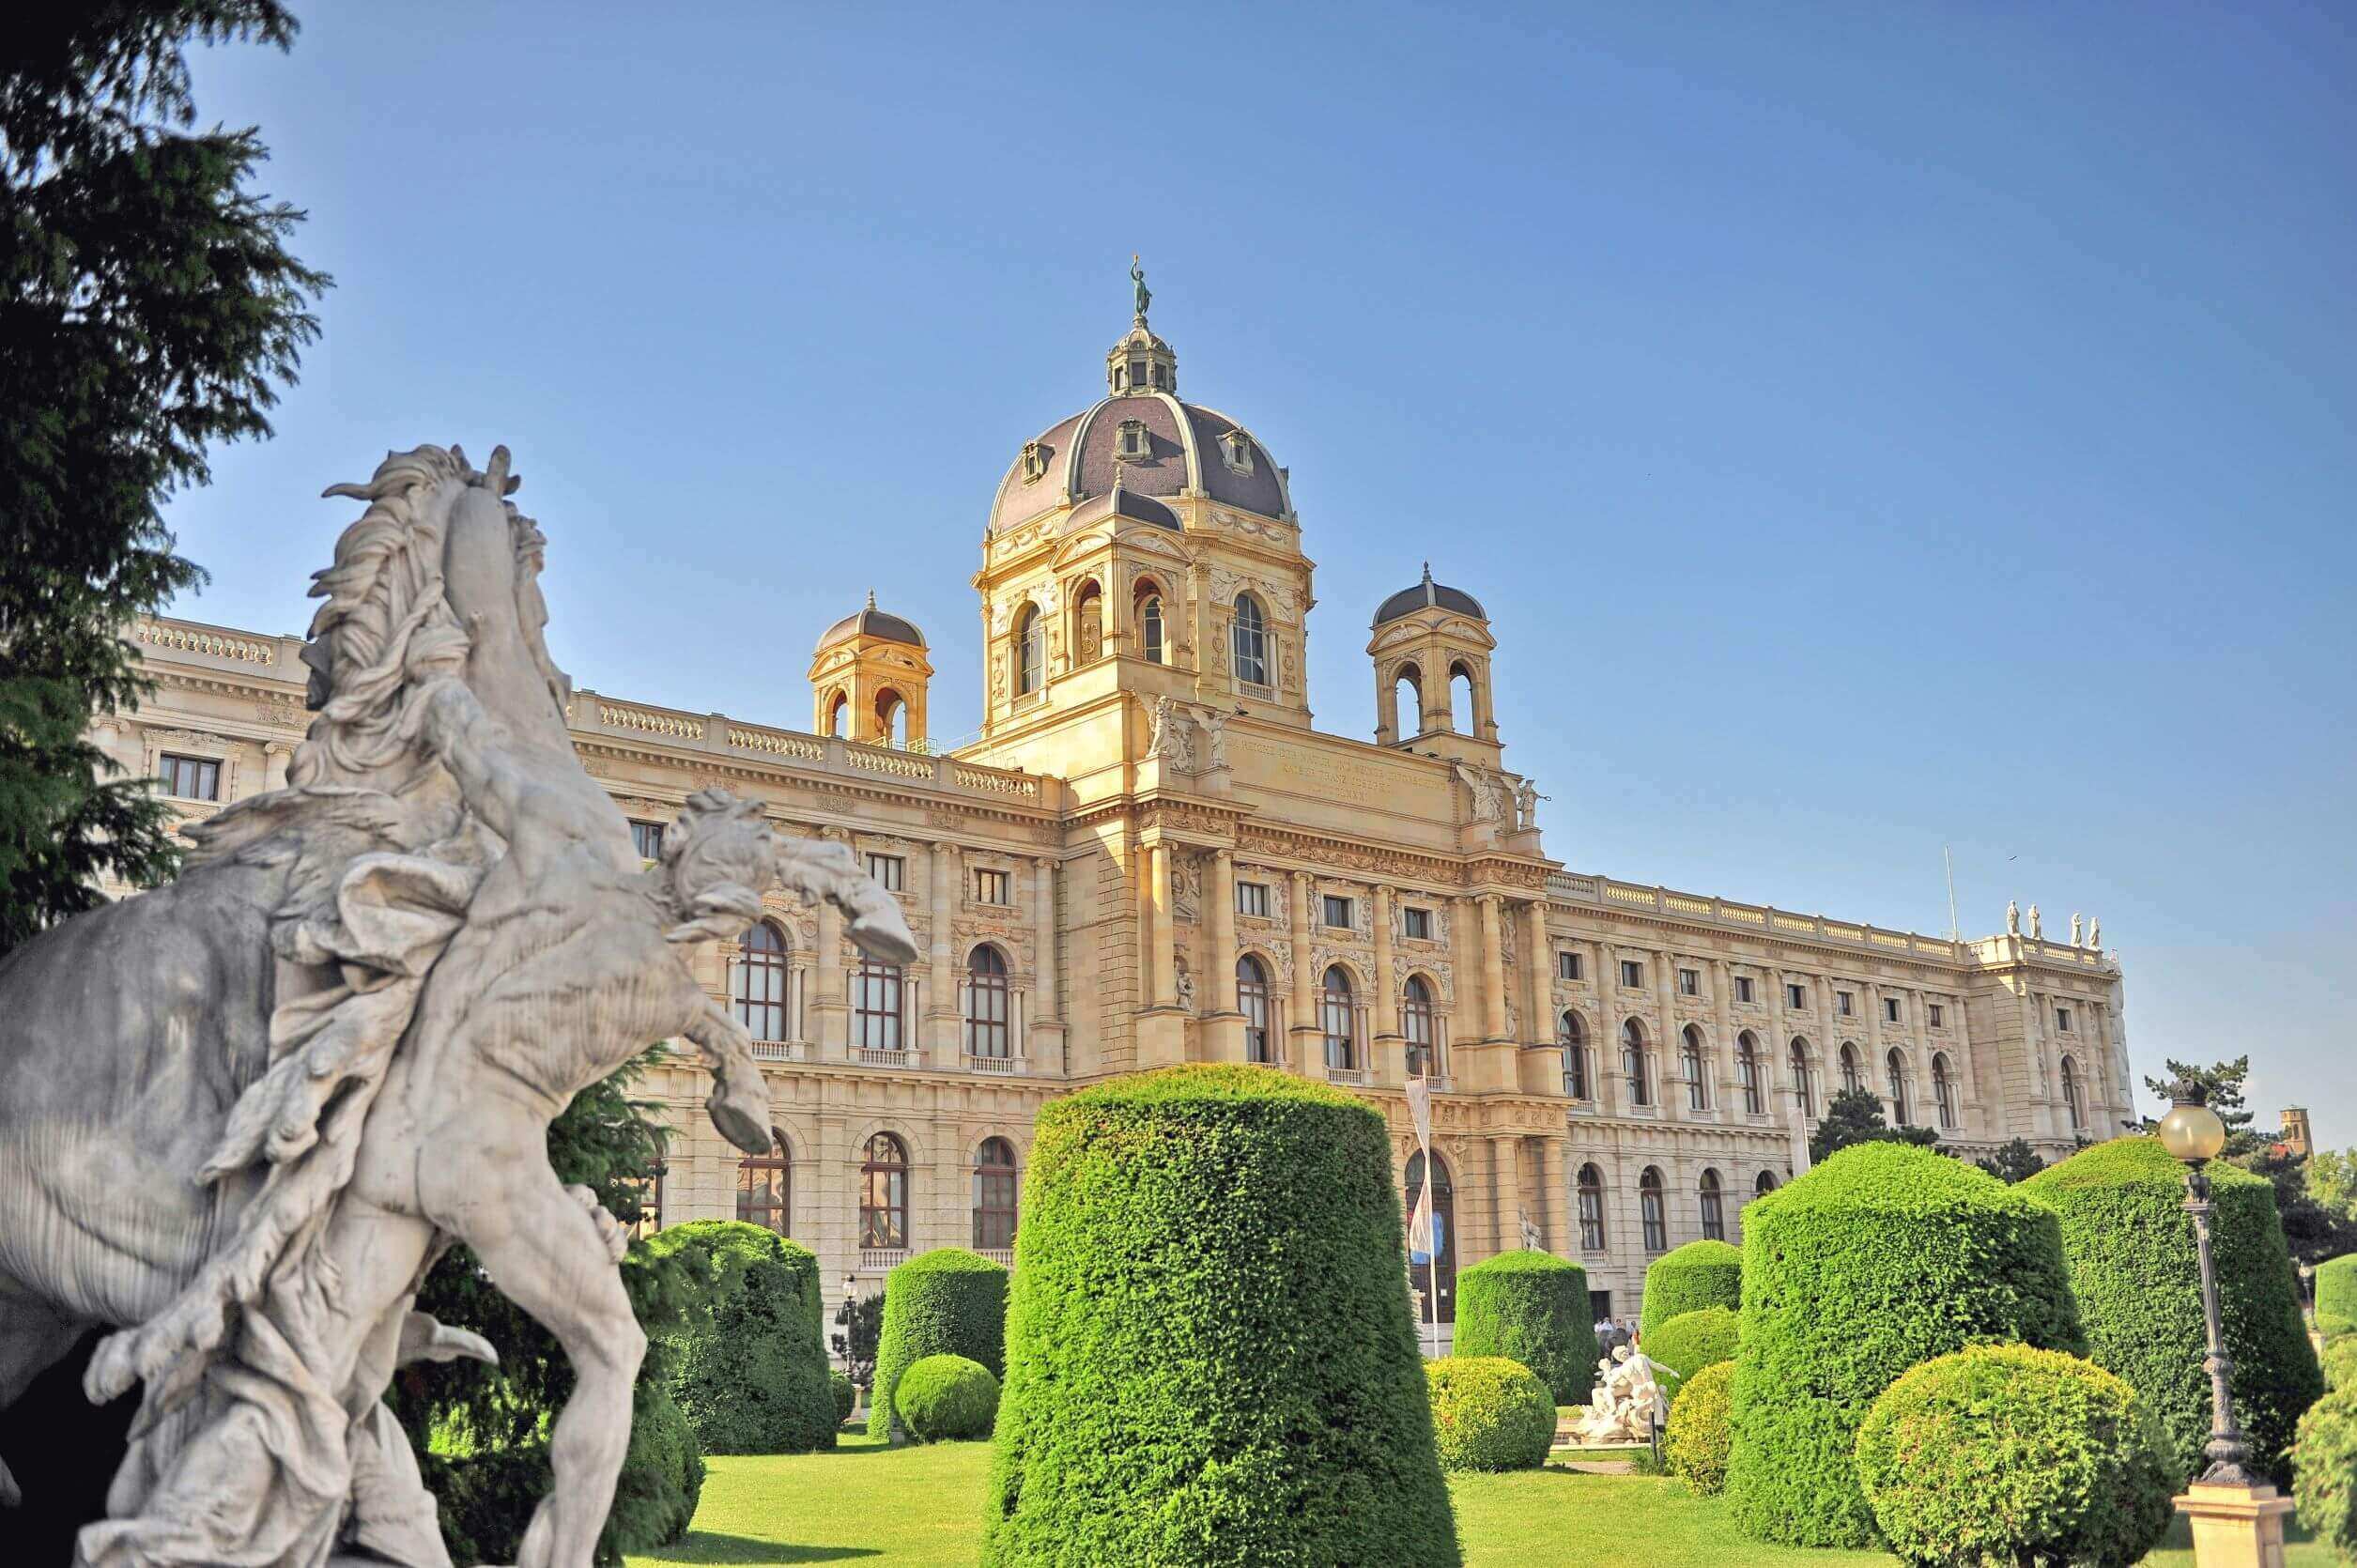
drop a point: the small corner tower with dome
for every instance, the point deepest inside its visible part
(867, 680)
(1431, 646)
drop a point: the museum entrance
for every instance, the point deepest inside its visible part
(1421, 1265)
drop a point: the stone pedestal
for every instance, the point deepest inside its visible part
(2236, 1527)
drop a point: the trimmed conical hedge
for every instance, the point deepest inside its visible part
(2336, 1296)
(1885, 1257)
(946, 1303)
(1209, 1353)
(2130, 1248)
(751, 1370)
(1690, 1278)
(1531, 1307)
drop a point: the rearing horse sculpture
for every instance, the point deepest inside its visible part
(241, 1116)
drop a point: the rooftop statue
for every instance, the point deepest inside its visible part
(1144, 296)
(250, 1109)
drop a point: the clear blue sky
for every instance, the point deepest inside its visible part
(1869, 426)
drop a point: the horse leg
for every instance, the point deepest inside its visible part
(32, 1339)
(545, 1252)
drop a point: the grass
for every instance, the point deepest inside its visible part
(864, 1504)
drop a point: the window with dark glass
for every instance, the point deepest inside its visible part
(887, 870)
(876, 1004)
(993, 887)
(2070, 1093)
(1590, 1209)
(1632, 974)
(1894, 1066)
(1336, 1019)
(647, 839)
(757, 981)
(1030, 650)
(994, 1193)
(1336, 910)
(1566, 965)
(1844, 1004)
(1416, 1028)
(1743, 988)
(1149, 623)
(1689, 982)
(1691, 1064)
(1652, 1210)
(1713, 1209)
(1795, 997)
(986, 1007)
(1250, 635)
(1252, 1000)
(1747, 1074)
(1939, 1015)
(764, 1187)
(1416, 924)
(1252, 897)
(1802, 1089)
(1763, 1186)
(1943, 1093)
(884, 1193)
(2062, 1020)
(190, 777)
(1572, 1034)
(1851, 1083)
(1892, 1013)
(1633, 1063)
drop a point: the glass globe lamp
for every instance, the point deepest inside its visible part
(2192, 1132)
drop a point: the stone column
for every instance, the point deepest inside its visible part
(1604, 1044)
(1668, 1083)
(941, 1013)
(276, 757)
(1729, 1095)
(1222, 1030)
(1538, 978)
(1045, 941)
(1302, 1023)
(1471, 1024)
(1554, 1198)
(1493, 972)
(1390, 1045)
(1165, 968)
(1512, 1202)
(832, 1025)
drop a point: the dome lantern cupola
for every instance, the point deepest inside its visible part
(1431, 646)
(1140, 362)
(867, 678)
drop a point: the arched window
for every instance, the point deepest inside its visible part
(1690, 1064)
(1407, 701)
(838, 717)
(1572, 1034)
(1252, 1000)
(876, 1004)
(1420, 1269)
(1415, 1027)
(2070, 1093)
(1765, 1185)
(1803, 1091)
(1651, 1209)
(1463, 718)
(1850, 1082)
(1894, 1066)
(994, 1190)
(1088, 624)
(757, 981)
(1590, 1209)
(1713, 1209)
(1633, 1063)
(1335, 1018)
(1150, 624)
(1251, 636)
(1747, 1073)
(764, 1187)
(986, 1032)
(891, 717)
(1943, 1092)
(1030, 650)
(884, 1193)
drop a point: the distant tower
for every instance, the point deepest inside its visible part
(1430, 642)
(867, 680)
(2293, 1139)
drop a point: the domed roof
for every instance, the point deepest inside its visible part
(1428, 595)
(872, 622)
(1178, 447)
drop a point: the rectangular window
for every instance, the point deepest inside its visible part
(990, 888)
(886, 868)
(1797, 998)
(2062, 1018)
(191, 777)
(1890, 1009)
(1939, 1015)
(647, 839)
(1844, 1004)
(1689, 982)
(1416, 924)
(1337, 911)
(1566, 965)
(1743, 988)
(1252, 897)
(1633, 973)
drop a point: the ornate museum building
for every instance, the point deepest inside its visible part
(1151, 857)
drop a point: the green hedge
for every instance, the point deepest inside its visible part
(2340, 1364)
(2336, 1289)
(1489, 1413)
(1532, 1308)
(945, 1398)
(1699, 1436)
(2130, 1249)
(2004, 1453)
(1209, 1353)
(1690, 1341)
(748, 1367)
(846, 1396)
(948, 1302)
(1688, 1279)
(2325, 1486)
(1886, 1255)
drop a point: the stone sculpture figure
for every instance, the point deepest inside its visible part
(242, 1114)
(1167, 738)
(1625, 1401)
(2037, 925)
(2075, 928)
(2095, 934)
(1489, 800)
(2012, 917)
(1214, 725)
(1526, 799)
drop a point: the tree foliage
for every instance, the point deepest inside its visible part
(746, 1363)
(2314, 1230)
(2015, 1161)
(2219, 1087)
(950, 1302)
(151, 310)
(1531, 1307)
(481, 1433)
(1855, 1116)
(1489, 1413)
(1703, 1274)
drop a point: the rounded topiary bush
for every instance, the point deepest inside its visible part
(1209, 1353)
(749, 1367)
(1489, 1413)
(1690, 1341)
(2130, 1249)
(942, 1398)
(2335, 1294)
(846, 1396)
(2324, 1479)
(947, 1303)
(2340, 1364)
(1688, 1279)
(1886, 1255)
(1531, 1307)
(2004, 1453)
(1699, 1436)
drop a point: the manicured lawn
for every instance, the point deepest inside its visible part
(867, 1504)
